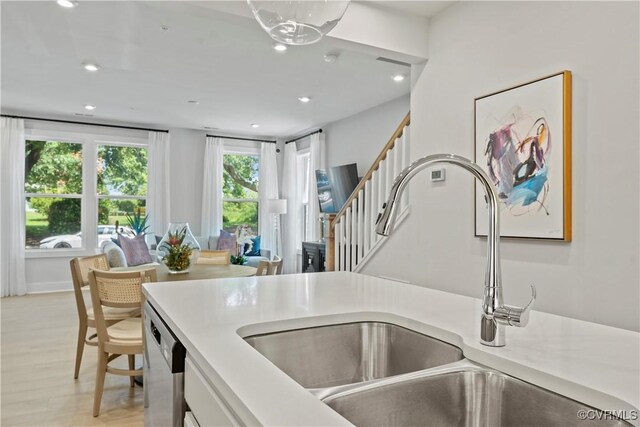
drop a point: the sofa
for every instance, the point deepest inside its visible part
(211, 243)
(117, 260)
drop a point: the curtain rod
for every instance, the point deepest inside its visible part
(304, 136)
(83, 123)
(242, 139)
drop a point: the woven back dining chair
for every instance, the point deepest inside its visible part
(80, 268)
(270, 268)
(214, 257)
(117, 290)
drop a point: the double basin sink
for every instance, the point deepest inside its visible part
(380, 374)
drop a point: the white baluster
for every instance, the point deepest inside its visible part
(354, 234)
(375, 183)
(382, 184)
(398, 148)
(347, 246)
(360, 225)
(391, 165)
(338, 244)
(367, 216)
(404, 201)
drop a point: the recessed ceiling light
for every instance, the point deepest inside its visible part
(279, 47)
(331, 58)
(91, 67)
(398, 78)
(193, 101)
(69, 4)
(255, 125)
(304, 99)
(89, 107)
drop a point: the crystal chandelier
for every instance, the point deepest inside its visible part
(298, 22)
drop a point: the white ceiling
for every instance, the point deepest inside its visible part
(148, 74)
(426, 9)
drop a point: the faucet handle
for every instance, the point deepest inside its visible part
(516, 316)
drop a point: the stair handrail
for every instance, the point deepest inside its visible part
(376, 164)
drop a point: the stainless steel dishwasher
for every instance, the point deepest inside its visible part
(163, 364)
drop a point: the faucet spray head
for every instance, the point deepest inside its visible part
(386, 219)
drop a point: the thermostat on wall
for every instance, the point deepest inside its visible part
(437, 175)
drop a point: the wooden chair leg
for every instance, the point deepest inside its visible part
(82, 335)
(100, 374)
(132, 367)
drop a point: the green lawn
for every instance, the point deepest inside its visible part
(37, 227)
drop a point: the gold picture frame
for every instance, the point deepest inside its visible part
(522, 139)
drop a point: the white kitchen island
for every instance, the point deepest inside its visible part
(591, 363)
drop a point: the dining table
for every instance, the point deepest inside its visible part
(205, 271)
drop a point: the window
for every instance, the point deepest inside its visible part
(77, 187)
(53, 189)
(240, 191)
(122, 186)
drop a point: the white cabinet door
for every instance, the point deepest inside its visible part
(190, 420)
(207, 406)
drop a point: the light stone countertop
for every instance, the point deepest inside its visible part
(594, 364)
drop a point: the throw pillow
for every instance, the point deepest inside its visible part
(255, 249)
(135, 250)
(115, 256)
(227, 242)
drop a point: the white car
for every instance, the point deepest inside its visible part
(105, 232)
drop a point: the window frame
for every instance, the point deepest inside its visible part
(241, 150)
(90, 140)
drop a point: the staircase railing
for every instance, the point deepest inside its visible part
(352, 238)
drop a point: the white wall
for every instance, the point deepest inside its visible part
(477, 48)
(359, 138)
(187, 169)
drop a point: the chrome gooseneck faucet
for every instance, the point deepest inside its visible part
(495, 314)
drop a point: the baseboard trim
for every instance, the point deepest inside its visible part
(48, 287)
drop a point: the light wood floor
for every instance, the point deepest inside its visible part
(38, 342)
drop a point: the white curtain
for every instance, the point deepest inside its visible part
(212, 188)
(12, 201)
(268, 223)
(158, 183)
(317, 161)
(291, 230)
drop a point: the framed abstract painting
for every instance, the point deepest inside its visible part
(523, 142)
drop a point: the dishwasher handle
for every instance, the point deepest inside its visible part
(154, 331)
(170, 348)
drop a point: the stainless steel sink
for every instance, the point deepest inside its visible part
(461, 394)
(329, 356)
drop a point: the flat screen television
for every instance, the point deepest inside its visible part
(335, 185)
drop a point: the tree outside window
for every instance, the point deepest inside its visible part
(240, 191)
(121, 173)
(54, 190)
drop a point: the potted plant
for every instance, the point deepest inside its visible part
(176, 253)
(137, 222)
(238, 260)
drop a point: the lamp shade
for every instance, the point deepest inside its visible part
(277, 206)
(298, 22)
